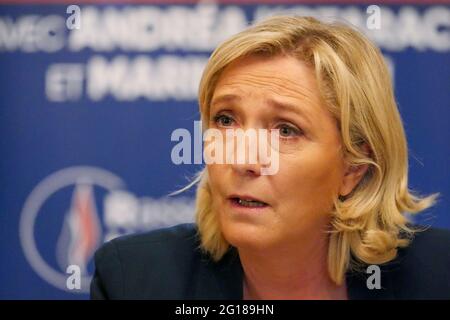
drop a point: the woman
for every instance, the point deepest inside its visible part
(334, 207)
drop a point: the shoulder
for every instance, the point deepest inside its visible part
(429, 249)
(436, 237)
(182, 234)
(155, 264)
(182, 239)
(422, 270)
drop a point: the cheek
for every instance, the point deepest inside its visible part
(309, 177)
(215, 179)
(216, 171)
(213, 172)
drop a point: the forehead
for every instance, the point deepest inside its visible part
(281, 76)
(272, 84)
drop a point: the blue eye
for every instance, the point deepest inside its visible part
(288, 131)
(223, 120)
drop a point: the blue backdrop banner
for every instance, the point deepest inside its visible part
(91, 94)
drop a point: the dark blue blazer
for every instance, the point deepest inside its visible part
(168, 264)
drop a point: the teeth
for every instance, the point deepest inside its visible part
(250, 203)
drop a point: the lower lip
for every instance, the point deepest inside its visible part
(243, 209)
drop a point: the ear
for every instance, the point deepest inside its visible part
(354, 174)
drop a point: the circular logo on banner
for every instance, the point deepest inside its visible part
(79, 234)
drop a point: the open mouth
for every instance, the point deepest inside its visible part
(249, 203)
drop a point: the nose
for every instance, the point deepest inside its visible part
(247, 169)
(245, 157)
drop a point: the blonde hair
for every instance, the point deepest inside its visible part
(368, 225)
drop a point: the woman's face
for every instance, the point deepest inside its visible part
(254, 93)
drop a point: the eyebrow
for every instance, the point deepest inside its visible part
(225, 98)
(230, 98)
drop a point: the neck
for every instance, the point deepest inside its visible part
(290, 272)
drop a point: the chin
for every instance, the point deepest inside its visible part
(246, 235)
